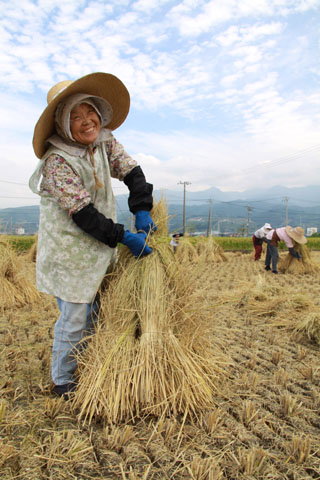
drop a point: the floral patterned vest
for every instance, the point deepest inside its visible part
(71, 263)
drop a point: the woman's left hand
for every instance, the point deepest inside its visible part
(144, 222)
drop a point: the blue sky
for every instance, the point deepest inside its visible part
(224, 93)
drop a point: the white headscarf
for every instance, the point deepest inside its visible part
(64, 109)
(64, 139)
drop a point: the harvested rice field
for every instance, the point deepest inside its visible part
(262, 420)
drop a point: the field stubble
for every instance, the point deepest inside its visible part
(264, 421)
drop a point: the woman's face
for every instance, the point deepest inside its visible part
(84, 124)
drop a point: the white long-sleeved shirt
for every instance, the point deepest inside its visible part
(261, 233)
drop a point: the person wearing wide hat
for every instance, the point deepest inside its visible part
(175, 237)
(78, 229)
(258, 238)
(286, 235)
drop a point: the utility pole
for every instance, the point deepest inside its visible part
(209, 231)
(248, 220)
(184, 204)
(287, 219)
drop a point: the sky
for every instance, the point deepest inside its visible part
(224, 93)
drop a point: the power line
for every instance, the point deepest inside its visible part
(18, 198)
(14, 183)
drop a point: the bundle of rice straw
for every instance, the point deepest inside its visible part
(290, 264)
(152, 352)
(186, 251)
(15, 288)
(310, 326)
(210, 251)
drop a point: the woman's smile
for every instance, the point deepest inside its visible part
(84, 124)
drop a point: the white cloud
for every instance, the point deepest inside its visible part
(248, 34)
(149, 5)
(241, 77)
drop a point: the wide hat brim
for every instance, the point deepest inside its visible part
(100, 84)
(301, 239)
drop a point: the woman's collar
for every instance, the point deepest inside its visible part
(78, 149)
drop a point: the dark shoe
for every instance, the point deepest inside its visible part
(267, 267)
(274, 271)
(65, 390)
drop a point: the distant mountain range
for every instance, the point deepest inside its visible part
(230, 212)
(301, 196)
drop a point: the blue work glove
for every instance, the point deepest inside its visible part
(136, 242)
(298, 256)
(144, 222)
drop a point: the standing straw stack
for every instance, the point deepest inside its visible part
(210, 251)
(186, 251)
(290, 264)
(15, 288)
(151, 353)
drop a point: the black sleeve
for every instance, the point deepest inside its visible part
(257, 241)
(140, 197)
(90, 220)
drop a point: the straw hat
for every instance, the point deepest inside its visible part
(99, 84)
(297, 234)
(175, 235)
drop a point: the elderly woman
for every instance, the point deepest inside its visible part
(78, 230)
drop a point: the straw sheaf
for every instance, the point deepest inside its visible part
(152, 352)
(16, 289)
(100, 84)
(305, 265)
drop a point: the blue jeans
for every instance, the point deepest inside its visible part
(76, 321)
(272, 256)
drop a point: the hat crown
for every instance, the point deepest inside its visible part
(56, 89)
(99, 84)
(296, 234)
(297, 230)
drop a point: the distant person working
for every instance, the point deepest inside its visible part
(258, 238)
(175, 241)
(286, 235)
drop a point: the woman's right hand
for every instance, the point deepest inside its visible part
(136, 242)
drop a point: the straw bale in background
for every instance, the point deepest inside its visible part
(290, 264)
(206, 250)
(210, 251)
(16, 289)
(310, 326)
(186, 251)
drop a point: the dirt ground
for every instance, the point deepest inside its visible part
(264, 422)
